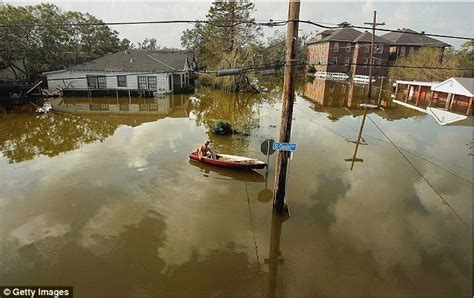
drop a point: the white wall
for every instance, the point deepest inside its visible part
(77, 80)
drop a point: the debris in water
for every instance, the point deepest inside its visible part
(46, 108)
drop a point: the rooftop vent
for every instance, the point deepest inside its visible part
(131, 60)
(343, 24)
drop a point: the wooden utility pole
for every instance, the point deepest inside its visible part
(371, 60)
(287, 106)
(380, 90)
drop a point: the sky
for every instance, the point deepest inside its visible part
(449, 18)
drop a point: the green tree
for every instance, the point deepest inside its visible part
(227, 40)
(432, 59)
(466, 58)
(43, 37)
(148, 44)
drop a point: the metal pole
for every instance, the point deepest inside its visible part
(287, 106)
(268, 155)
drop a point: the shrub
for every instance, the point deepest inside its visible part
(222, 127)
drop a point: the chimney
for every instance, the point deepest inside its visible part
(131, 60)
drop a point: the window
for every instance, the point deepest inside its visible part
(379, 63)
(92, 82)
(336, 46)
(411, 50)
(142, 83)
(101, 82)
(96, 82)
(334, 60)
(347, 60)
(367, 48)
(152, 83)
(402, 51)
(365, 61)
(379, 49)
(147, 83)
(122, 81)
(99, 106)
(348, 47)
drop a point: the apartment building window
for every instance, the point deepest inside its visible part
(379, 49)
(402, 52)
(365, 61)
(334, 60)
(348, 47)
(336, 46)
(122, 81)
(347, 61)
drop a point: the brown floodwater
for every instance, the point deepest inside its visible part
(101, 196)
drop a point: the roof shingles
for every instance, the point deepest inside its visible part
(139, 61)
(411, 37)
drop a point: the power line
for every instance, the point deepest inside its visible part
(416, 33)
(422, 176)
(269, 23)
(386, 30)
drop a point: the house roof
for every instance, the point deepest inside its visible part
(342, 34)
(346, 35)
(140, 61)
(411, 37)
(367, 37)
(461, 86)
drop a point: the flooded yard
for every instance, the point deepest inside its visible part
(101, 196)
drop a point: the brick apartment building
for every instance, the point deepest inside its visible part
(347, 50)
(407, 41)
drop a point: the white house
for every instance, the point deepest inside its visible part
(153, 71)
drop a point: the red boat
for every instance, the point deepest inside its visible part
(230, 161)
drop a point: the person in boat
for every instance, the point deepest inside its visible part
(205, 151)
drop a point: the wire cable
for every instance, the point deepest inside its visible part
(421, 175)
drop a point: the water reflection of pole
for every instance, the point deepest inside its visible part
(354, 157)
(274, 259)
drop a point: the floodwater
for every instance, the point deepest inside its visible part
(102, 197)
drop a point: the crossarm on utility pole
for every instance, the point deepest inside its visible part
(372, 42)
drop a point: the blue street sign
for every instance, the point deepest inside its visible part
(284, 146)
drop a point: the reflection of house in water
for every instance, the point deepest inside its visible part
(341, 98)
(124, 110)
(454, 94)
(329, 93)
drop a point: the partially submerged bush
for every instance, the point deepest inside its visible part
(222, 127)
